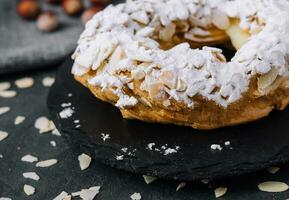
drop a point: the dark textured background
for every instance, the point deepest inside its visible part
(66, 175)
(22, 47)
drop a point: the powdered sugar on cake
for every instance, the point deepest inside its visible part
(123, 38)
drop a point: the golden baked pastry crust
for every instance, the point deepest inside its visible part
(205, 114)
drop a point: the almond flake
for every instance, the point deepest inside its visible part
(3, 135)
(149, 179)
(221, 191)
(48, 81)
(273, 186)
(4, 86)
(56, 132)
(29, 158)
(135, 196)
(84, 161)
(67, 197)
(26, 82)
(8, 94)
(29, 190)
(19, 120)
(181, 185)
(44, 125)
(89, 194)
(31, 175)
(4, 110)
(53, 143)
(205, 181)
(46, 163)
(273, 170)
(61, 196)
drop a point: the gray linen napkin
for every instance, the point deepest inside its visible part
(24, 47)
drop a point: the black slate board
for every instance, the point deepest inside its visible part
(66, 175)
(254, 146)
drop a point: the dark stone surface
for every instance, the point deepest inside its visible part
(253, 146)
(116, 184)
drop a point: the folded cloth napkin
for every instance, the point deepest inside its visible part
(24, 47)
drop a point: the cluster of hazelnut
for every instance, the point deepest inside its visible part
(48, 20)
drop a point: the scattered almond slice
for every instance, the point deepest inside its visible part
(26, 82)
(29, 158)
(273, 186)
(48, 81)
(29, 190)
(273, 170)
(149, 179)
(135, 196)
(89, 194)
(4, 86)
(56, 132)
(84, 161)
(53, 143)
(4, 110)
(19, 120)
(61, 196)
(181, 185)
(46, 163)
(43, 124)
(67, 197)
(205, 181)
(31, 175)
(8, 94)
(3, 135)
(221, 191)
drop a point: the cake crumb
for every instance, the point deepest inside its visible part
(150, 146)
(216, 147)
(227, 143)
(119, 157)
(104, 136)
(66, 113)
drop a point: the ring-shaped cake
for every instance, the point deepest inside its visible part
(151, 59)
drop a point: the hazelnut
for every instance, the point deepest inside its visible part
(47, 21)
(72, 7)
(97, 2)
(90, 12)
(29, 9)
